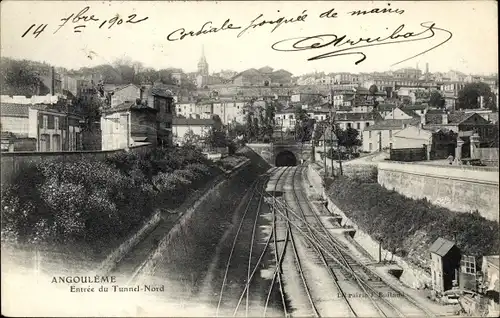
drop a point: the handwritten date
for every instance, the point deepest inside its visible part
(82, 19)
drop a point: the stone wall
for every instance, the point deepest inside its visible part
(13, 162)
(269, 151)
(110, 262)
(458, 188)
(167, 245)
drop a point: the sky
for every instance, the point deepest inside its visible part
(472, 48)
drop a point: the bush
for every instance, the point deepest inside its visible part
(95, 201)
(395, 219)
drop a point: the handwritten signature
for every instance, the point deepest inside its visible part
(333, 40)
(81, 19)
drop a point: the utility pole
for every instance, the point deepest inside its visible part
(332, 124)
(324, 152)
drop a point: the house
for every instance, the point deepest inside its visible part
(182, 126)
(401, 113)
(384, 109)
(491, 283)
(450, 93)
(379, 136)
(127, 125)
(319, 113)
(358, 121)
(53, 129)
(285, 119)
(163, 102)
(435, 143)
(126, 93)
(419, 110)
(331, 138)
(362, 108)
(445, 263)
(10, 142)
(462, 123)
(251, 77)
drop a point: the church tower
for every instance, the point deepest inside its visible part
(202, 64)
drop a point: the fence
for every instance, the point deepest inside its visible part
(13, 162)
(408, 154)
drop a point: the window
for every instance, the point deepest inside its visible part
(370, 146)
(468, 264)
(367, 124)
(349, 125)
(56, 123)
(45, 122)
(370, 134)
(390, 133)
(390, 145)
(358, 126)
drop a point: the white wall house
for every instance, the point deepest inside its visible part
(380, 135)
(181, 126)
(285, 119)
(412, 137)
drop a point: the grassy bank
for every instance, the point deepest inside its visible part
(97, 204)
(408, 227)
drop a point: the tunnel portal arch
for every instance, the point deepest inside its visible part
(285, 158)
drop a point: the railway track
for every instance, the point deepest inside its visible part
(252, 267)
(254, 191)
(346, 270)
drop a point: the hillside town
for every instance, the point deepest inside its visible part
(406, 108)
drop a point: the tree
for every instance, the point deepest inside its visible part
(388, 91)
(373, 89)
(255, 128)
(190, 138)
(348, 138)
(319, 131)
(249, 132)
(22, 77)
(436, 99)
(468, 97)
(216, 138)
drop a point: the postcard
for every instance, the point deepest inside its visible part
(249, 158)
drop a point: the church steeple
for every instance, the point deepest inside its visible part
(202, 64)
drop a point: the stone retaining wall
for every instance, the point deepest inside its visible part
(412, 276)
(460, 189)
(110, 262)
(209, 198)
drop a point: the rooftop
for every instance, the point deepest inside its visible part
(14, 110)
(453, 118)
(177, 121)
(392, 124)
(441, 247)
(126, 106)
(358, 116)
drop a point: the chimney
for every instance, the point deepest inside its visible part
(444, 120)
(52, 81)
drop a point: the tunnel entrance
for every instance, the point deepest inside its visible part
(285, 158)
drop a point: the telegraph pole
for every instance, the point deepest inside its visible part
(332, 124)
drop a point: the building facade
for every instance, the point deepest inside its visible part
(184, 126)
(127, 125)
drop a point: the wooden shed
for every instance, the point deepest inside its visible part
(445, 263)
